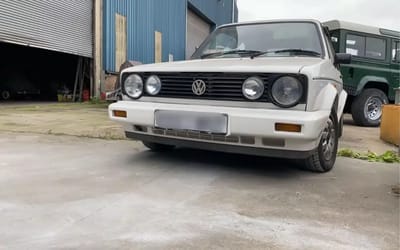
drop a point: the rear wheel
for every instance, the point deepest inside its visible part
(157, 146)
(367, 107)
(324, 157)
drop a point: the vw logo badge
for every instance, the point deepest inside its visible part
(199, 87)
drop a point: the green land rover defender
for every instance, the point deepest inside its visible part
(374, 73)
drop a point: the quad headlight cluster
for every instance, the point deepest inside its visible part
(285, 92)
(134, 87)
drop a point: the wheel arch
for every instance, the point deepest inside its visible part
(325, 98)
(341, 103)
(373, 82)
(335, 106)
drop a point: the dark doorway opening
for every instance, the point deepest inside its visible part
(28, 73)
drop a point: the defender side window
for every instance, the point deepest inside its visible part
(369, 47)
(375, 48)
(396, 51)
(355, 45)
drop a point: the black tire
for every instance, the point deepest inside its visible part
(323, 162)
(366, 109)
(157, 146)
(5, 95)
(340, 133)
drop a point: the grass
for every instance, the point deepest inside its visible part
(89, 119)
(387, 157)
(59, 106)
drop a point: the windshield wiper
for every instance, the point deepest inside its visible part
(297, 51)
(238, 51)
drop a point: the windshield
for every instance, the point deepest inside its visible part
(267, 39)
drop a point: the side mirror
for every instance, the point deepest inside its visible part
(342, 58)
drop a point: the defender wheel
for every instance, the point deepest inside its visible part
(324, 157)
(367, 107)
(5, 95)
(157, 146)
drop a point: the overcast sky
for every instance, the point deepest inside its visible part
(380, 13)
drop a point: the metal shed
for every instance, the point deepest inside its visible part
(159, 30)
(41, 42)
(58, 25)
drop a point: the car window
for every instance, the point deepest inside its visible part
(396, 51)
(375, 48)
(355, 45)
(369, 47)
(262, 37)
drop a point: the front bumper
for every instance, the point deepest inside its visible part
(245, 123)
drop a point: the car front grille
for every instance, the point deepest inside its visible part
(219, 86)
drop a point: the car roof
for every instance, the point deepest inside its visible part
(272, 21)
(338, 24)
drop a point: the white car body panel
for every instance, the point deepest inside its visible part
(231, 65)
(242, 121)
(324, 94)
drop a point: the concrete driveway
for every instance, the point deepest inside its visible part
(63, 192)
(91, 120)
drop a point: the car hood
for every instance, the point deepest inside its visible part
(256, 65)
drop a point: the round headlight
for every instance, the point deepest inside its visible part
(133, 86)
(253, 88)
(153, 85)
(287, 91)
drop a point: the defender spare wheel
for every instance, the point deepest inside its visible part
(367, 107)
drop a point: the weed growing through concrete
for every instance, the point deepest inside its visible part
(387, 157)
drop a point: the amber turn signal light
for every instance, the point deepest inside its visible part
(284, 127)
(119, 113)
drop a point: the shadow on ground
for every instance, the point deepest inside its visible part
(209, 160)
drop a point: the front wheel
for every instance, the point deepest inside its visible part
(367, 107)
(324, 157)
(157, 146)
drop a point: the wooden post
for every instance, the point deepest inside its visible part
(77, 74)
(157, 47)
(97, 47)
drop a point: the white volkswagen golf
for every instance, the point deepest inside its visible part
(268, 88)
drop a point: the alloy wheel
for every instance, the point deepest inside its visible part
(373, 108)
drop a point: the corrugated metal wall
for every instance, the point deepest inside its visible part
(144, 17)
(217, 11)
(58, 25)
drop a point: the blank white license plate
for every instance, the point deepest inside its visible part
(196, 121)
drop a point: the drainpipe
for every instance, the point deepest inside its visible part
(233, 11)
